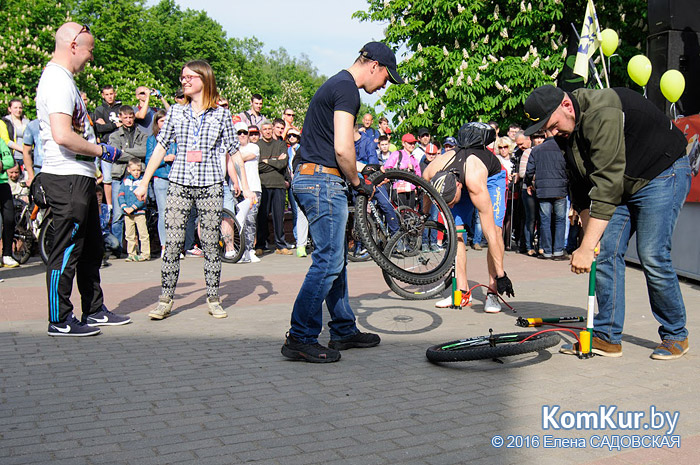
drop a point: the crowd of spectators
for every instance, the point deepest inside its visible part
(539, 221)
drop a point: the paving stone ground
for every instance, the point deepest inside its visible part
(192, 389)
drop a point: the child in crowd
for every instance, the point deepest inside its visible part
(18, 182)
(111, 242)
(134, 214)
(384, 149)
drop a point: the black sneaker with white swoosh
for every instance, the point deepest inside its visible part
(72, 327)
(105, 318)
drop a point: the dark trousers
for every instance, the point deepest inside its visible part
(7, 207)
(77, 246)
(191, 229)
(272, 202)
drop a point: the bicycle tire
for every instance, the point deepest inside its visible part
(22, 247)
(415, 256)
(23, 238)
(352, 238)
(231, 241)
(46, 239)
(417, 291)
(479, 348)
(415, 227)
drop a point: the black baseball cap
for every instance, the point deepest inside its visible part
(445, 182)
(381, 53)
(449, 141)
(422, 132)
(540, 105)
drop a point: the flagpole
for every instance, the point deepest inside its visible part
(605, 69)
(590, 60)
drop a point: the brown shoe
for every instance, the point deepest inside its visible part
(259, 252)
(477, 246)
(670, 349)
(283, 252)
(599, 347)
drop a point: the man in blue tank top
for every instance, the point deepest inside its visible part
(470, 177)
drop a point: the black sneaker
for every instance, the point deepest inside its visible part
(72, 327)
(314, 353)
(105, 318)
(357, 340)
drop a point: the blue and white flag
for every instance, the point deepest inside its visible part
(589, 42)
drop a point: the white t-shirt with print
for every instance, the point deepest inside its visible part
(57, 93)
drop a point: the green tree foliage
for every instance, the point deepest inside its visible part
(138, 45)
(479, 59)
(26, 39)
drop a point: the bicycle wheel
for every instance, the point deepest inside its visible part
(231, 241)
(417, 291)
(492, 346)
(356, 252)
(409, 253)
(46, 239)
(414, 191)
(23, 239)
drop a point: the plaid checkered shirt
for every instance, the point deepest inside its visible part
(212, 132)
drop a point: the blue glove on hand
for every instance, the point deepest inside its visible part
(110, 154)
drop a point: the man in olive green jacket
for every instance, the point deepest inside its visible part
(628, 173)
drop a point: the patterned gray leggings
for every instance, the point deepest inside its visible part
(210, 202)
(249, 225)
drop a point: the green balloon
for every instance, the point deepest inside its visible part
(609, 40)
(672, 85)
(639, 69)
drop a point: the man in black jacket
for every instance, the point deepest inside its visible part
(133, 143)
(547, 165)
(628, 173)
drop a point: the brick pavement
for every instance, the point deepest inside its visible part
(191, 389)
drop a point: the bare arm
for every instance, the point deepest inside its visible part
(63, 134)
(248, 156)
(28, 163)
(153, 164)
(475, 181)
(166, 105)
(344, 145)
(143, 111)
(236, 162)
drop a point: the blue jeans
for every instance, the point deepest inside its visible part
(293, 209)
(530, 207)
(160, 189)
(229, 200)
(111, 243)
(430, 236)
(651, 213)
(553, 209)
(476, 229)
(324, 200)
(382, 196)
(117, 213)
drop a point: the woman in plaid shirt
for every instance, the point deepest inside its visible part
(205, 138)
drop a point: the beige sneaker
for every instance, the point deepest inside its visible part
(215, 308)
(165, 305)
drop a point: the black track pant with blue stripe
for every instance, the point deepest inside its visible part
(77, 245)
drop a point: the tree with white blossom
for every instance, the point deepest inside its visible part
(471, 60)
